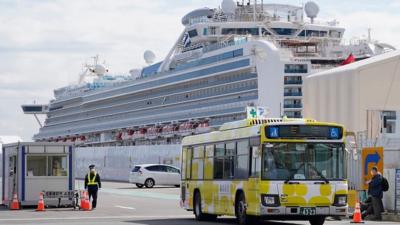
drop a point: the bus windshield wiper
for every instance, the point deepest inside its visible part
(293, 173)
(319, 173)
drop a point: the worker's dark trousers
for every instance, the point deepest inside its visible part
(377, 207)
(93, 193)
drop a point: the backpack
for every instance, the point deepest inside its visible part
(385, 184)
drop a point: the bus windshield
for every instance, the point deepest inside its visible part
(303, 161)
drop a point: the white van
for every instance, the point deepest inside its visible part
(149, 175)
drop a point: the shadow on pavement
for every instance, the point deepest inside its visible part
(157, 187)
(185, 221)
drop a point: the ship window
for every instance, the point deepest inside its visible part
(284, 31)
(151, 70)
(295, 68)
(240, 31)
(313, 33)
(205, 31)
(238, 52)
(334, 33)
(192, 33)
(389, 122)
(213, 30)
(265, 32)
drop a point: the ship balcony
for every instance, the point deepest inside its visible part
(293, 106)
(293, 82)
(294, 94)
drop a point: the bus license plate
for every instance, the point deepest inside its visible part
(308, 211)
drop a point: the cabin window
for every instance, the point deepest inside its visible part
(57, 165)
(46, 166)
(192, 33)
(36, 166)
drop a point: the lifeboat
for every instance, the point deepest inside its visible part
(187, 128)
(153, 132)
(118, 136)
(127, 135)
(80, 140)
(203, 128)
(139, 134)
(169, 130)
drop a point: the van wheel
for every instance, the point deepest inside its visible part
(240, 211)
(320, 220)
(149, 183)
(139, 185)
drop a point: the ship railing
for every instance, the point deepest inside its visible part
(224, 44)
(169, 117)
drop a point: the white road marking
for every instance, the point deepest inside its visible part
(124, 207)
(99, 217)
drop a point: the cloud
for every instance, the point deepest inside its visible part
(43, 44)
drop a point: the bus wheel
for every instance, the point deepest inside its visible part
(240, 210)
(320, 220)
(200, 216)
(197, 207)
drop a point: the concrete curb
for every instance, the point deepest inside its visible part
(391, 217)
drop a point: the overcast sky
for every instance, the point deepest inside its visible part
(43, 43)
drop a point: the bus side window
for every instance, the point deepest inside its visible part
(183, 163)
(229, 160)
(188, 163)
(255, 162)
(219, 160)
(242, 165)
(198, 163)
(208, 162)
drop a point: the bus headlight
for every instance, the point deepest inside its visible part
(340, 200)
(270, 200)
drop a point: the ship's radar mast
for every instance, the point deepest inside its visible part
(312, 9)
(228, 7)
(149, 57)
(95, 70)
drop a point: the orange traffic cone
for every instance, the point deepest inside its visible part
(15, 203)
(357, 214)
(40, 206)
(85, 204)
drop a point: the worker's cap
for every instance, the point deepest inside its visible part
(91, 166)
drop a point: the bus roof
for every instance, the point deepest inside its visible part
(246, 128)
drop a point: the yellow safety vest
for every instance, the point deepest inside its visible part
(92, 181)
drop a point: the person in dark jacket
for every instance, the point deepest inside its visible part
(373, 204)
(92, 184)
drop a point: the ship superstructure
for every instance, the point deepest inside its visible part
(241, 54)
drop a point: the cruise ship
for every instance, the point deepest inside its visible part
(245, 53)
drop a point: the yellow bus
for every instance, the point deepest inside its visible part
(281, 169)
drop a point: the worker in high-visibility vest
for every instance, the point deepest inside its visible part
(92, 184)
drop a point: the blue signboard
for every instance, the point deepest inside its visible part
(274, 132)
(397, 191)
(334, 132)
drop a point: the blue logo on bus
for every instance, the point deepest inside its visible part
(273, 132)
(334, 132)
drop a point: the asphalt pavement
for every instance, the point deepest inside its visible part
(122, 203)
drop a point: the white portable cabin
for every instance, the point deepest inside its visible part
(32, 167)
